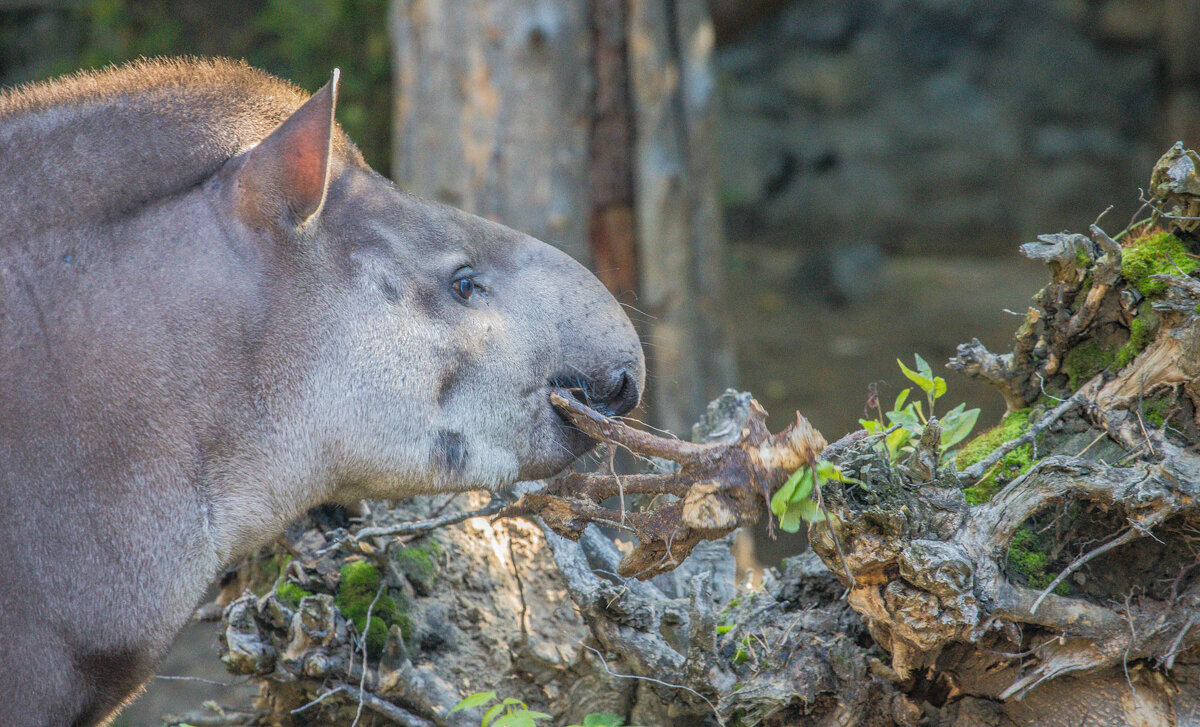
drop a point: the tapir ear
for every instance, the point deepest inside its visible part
(283, 179)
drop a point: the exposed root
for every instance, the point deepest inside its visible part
(1138, 529)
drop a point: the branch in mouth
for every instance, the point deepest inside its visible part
(717, 488)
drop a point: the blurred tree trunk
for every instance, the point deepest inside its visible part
(1180, 58)
(587, 124)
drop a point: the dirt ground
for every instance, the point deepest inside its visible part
(797, 350)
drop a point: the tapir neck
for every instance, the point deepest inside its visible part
(165, 430)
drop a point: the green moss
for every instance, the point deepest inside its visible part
(1010, 466)
(291, 594)
(1158, 410)
(1011, 426)
(1085, 361)
(268, 573)
(358, 588)
(1141, 332)
(419, 562)
(1159, 253)
(1027, 556)
(1083, 259)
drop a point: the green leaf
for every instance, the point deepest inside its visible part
(531, 714)
(870, 425)
(789, 521)
(907, 419)
(514, 719)
(957, 428)
(896, 441)
(829, 471)
(511, 700)
(810, 511)
(724, 629)
(805, 485)
(779, 501)
(939, 387)
(901, 398)
(491, 714)
(781, 497)
(925, 382)
(474, 700)
(923, 366)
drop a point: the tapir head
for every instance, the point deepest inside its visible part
(413, 343)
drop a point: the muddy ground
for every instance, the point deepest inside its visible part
(802, 345)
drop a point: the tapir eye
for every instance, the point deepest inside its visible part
(463, 287)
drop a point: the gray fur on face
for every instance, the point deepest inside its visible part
(200, 343)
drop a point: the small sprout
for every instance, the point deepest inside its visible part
(474, 700)
(602, 719)
(508, 712)
(909, 417)
(933, 386)
(793, 503)
(957, 424)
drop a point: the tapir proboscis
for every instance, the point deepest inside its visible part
(214, 316)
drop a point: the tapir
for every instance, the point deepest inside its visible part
(215, 316)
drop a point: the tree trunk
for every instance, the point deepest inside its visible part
(587, 124)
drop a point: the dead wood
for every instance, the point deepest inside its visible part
(1064, 593)
(716, 489)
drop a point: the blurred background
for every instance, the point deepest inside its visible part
(788, 194)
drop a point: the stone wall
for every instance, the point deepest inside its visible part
(948, 126)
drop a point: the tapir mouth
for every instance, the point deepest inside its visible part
(577, 442)
(614, 398)
(618, 397)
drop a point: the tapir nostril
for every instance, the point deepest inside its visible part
(624, 396)
(613, 395)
